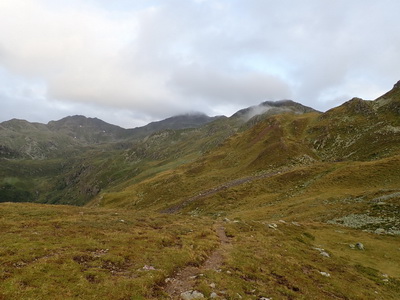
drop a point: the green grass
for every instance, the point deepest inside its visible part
(62, 252)
(283, 263)
(59, 252)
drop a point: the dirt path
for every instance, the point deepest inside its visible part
(185, 279)
(177, 207)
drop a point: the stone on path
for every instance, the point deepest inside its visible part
(191, 295)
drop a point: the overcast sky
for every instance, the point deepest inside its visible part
(130, 62)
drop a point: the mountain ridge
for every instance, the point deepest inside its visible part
(86, 148)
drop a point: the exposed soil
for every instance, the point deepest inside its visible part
(185, 279)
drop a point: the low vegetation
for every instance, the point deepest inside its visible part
(60, 252)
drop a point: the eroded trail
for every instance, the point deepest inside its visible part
(177, 207)
(185, 279)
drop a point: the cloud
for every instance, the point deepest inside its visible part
(154, 59)
(213, 85)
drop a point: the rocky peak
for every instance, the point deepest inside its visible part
(397, 85)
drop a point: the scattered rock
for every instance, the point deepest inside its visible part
(122, 221)
(264, 298)
(325, 274)
(148, 268)
(99, 252)
(213, 295)
(380, 231)
(296, 224)
(190, 295)
(322, 252)
(282, 221)
(168, 280)
(364, 220)
(360, 246)
(325, 254)
(352, 246)
(226, 220)
(273, 226)
(212, 285)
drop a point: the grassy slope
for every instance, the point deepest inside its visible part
(321, 179)
(76, 177)
(60, 252)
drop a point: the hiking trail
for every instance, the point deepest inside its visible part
(185, 279)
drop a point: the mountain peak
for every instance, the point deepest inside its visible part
(183, 121)
(397, 85)
(272, 108)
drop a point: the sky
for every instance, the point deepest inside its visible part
(131, 62)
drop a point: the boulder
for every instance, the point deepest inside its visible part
(190, 295)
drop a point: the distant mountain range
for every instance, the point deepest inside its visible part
(22, 139)
(73, 159)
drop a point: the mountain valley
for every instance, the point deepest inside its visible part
(278, 201)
